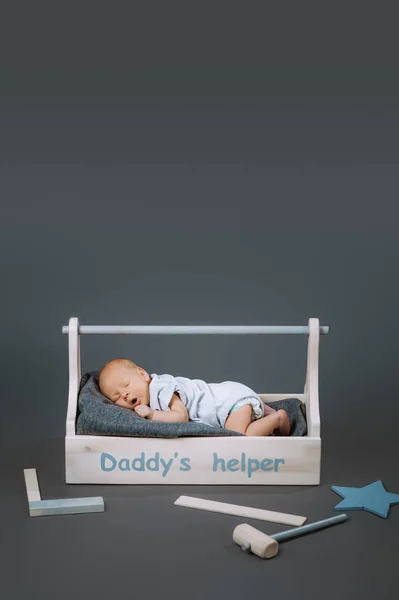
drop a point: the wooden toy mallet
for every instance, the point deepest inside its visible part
(266, 546)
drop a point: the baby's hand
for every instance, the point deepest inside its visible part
(144, 411)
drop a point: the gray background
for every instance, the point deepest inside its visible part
(230, 166)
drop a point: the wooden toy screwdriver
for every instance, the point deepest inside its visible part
(267, 546)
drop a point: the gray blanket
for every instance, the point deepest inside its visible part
(99, 416)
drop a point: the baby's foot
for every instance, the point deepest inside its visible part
(284, 426)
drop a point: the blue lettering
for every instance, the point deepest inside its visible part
(141, 463)
(109, 463)
(278, 460)
(250, 468)
(104, 457)
(243, 462)
(124, 464)
(185, 462)
(232, 463)
(264, 465)
(156, 463)
(217, 460)
(166, 466)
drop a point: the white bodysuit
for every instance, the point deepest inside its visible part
(208, 403)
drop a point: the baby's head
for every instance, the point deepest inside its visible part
(125, 383)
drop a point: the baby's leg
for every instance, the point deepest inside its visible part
(266, 425)
(240, 420)
(268, 409)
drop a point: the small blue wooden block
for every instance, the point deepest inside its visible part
(373, 497)
(67, 506)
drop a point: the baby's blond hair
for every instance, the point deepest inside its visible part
(125, 362)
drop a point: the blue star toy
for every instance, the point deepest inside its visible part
(373, 498)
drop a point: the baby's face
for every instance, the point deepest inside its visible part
(126, 386)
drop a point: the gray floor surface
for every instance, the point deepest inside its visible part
(143, 545)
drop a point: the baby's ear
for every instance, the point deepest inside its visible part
(143, 373)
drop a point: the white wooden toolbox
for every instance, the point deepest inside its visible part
(226, 460)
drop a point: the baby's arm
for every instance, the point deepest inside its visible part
(177, 413)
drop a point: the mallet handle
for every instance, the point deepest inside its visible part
(298, 531)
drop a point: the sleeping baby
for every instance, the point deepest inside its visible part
(229, 404)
